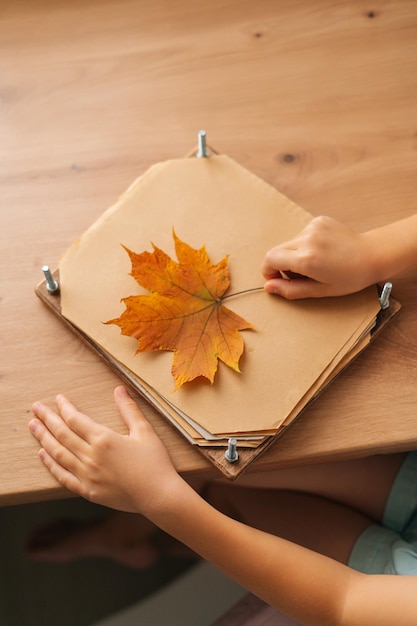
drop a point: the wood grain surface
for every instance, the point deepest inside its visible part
(316, 97)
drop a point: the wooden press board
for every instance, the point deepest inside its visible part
(260, 192)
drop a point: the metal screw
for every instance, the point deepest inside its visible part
(202, 149)
(231, 453)
(51, 284)
(384, 298)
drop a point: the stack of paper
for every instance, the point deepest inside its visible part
(295, 348)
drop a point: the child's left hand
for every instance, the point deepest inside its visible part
(130, 472)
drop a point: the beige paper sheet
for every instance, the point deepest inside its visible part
(214, 202)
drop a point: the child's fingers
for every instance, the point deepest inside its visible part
(279, 259)
(80, 424)
(296, 288)
(55, 450)
(56, 429)
(65, 477)
(129, 410)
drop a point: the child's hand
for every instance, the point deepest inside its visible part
(326, 259)
(127, 472)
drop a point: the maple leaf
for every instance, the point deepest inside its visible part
(183, 312)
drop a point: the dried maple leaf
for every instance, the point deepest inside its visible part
(184, 311)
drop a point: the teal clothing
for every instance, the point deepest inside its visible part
(391, 547)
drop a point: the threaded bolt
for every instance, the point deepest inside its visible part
(51, 284)
(231, 453)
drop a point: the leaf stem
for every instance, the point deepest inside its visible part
(239, 293)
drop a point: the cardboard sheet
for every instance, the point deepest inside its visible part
(295, 346)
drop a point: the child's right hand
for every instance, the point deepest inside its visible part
(327, 258)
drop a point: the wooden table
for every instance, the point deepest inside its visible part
(318, 98)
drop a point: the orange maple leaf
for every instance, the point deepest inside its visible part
(184, 311)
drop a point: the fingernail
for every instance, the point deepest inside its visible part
(33, 426)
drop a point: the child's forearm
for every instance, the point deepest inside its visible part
(305, 585)
(392, 248)
(311, 588)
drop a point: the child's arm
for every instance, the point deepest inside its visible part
(330, 259)
(134, 473)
